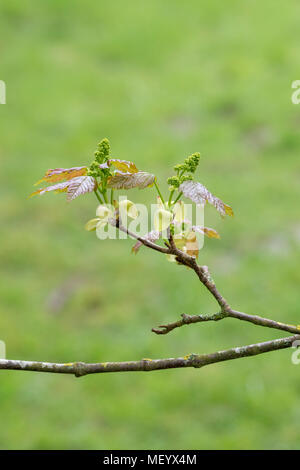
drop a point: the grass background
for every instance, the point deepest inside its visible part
(161, 80)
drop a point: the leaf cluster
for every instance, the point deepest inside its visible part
(106, 174)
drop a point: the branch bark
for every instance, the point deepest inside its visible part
(80, 369)
(192, 360)
(187, 320)
(225, 312)
(255, 319)
(144, 241)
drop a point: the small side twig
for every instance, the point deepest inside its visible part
(226, 311)
(254, 319)
(144, 241)
(186, 320)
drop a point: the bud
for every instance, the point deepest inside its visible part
(162, 219)
(91, 225)
(103, 213)
(179, 212)
(129, 208)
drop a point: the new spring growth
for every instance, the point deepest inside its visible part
(106, 175)
(189, 166)
(99, 166)
(179, 242)
(103, 151)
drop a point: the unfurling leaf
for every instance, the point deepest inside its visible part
(187, 243)
(140, 180)
(200, 195)
(136, 247)
(60, 174)
(79, 186)
(123, 165)
(180, 241)
(192, 247)
(104, 212)
(209, 232)
(74, 187)
(91, 225)
(151, 236)
(60, 187)
(104, 215)
(162, 219)
(128, 208)
(179, 213)
(228, 210)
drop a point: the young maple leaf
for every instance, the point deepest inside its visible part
(123, 166)
(140, 179)
(60, 174)
(200, 195)
(209, 232)
(74, 187)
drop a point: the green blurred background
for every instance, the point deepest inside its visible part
(160, 79)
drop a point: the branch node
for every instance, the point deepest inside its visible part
(147, 364)
(80, 369)
(185, 318)
(193, 360)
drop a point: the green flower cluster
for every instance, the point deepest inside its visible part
(103, 151)
(189, 166)
(175, 181)
(101, 156)
(191, 163)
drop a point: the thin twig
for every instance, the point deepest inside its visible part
(255, 319)
(261, 321)
(192, 360)
(226, 311)
(187, 320)
(144, 241)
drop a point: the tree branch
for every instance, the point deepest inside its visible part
(192, 360)
(226, 311)
(255, 319)
(261, 321)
